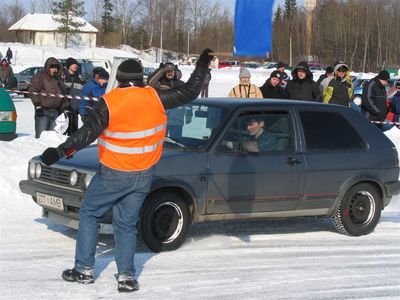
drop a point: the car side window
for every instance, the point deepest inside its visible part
(258, 132)
(329, 131)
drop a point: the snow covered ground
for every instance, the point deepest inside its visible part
(298, 258)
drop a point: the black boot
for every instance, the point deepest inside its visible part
(73, 275)
(128, 286)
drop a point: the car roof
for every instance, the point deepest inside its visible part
(235, 102)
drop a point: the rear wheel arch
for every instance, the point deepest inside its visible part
(347, 187)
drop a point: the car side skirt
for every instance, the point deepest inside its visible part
(265, 215)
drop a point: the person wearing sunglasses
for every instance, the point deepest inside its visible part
(340, 88)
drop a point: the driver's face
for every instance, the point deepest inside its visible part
(254, 127)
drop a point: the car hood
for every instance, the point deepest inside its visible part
(172, 161)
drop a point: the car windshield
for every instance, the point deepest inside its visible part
(192, 126)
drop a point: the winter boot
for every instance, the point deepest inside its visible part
(128, 286)
(73, 275)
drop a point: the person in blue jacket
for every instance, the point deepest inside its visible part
(93, 88)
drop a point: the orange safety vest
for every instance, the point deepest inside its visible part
(136, 129)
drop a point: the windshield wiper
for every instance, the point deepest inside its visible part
(169, 140)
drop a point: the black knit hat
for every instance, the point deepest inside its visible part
(130, 70)
(70, 61)
(276, 74)
(383, 75)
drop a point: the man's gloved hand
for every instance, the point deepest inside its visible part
(51, 155)
(205, 58)
(39, 111)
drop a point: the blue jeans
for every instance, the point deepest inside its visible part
(124, 192)
(45, 122)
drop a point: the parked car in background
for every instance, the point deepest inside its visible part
(224, 64)
(251, 64)
(274, 65)
(24, 78)
(270, 65)
(86, 66)
(234, 63)
(312, 160)
(146, 72)
(8, 117)
(315, 66)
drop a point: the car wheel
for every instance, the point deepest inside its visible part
(164, 221)
(357, 100)
(359, 211)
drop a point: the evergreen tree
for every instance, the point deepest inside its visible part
(65, 12)
(107, 20)
(290, 10)
(278, 14)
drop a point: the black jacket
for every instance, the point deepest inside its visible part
(273, 92)
(97, 121)
(303, 89)
(373, 99)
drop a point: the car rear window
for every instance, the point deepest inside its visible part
(329, 131)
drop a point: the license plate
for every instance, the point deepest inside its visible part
(50, 201)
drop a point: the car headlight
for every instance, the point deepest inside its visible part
(73, 177)
(7, 116)
(32, 168)
(38, 170)
(88, 179)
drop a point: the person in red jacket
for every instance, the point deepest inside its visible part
(129, 124)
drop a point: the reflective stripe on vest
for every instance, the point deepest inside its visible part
(129, 150)
(135, 135)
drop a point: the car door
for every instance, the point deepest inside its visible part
(335, 152)
(243, 179)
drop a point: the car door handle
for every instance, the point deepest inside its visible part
(293, 161)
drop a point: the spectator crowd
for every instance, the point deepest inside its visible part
(333, 87)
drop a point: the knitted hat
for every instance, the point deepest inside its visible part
(130, 70)
(103, 74)
(383, 75)
(244, 72)
(276, 74)
(70, 61)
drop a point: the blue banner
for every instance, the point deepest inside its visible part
(253, 27)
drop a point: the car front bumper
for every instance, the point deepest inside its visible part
(7, 136)
(71, 201)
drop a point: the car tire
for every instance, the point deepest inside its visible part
(164, 222)
(359, 210)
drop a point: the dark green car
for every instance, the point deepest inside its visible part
(8, 117)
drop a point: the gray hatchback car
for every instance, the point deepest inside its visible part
(226, 159)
